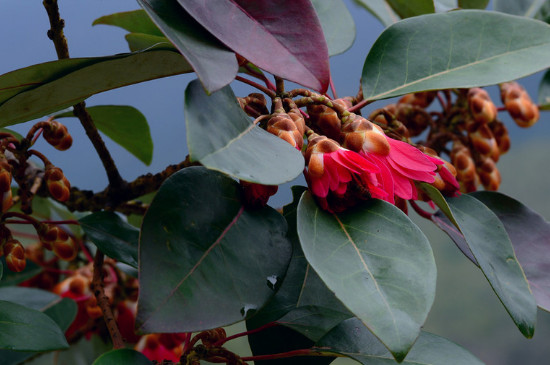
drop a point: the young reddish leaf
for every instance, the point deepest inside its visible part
(285, 38)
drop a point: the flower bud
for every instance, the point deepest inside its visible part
(483, 141)
(15, 255)
(481, 106)
(58, 185)
(57, 240)
(282, 125)
(488, 173)
(362, 135)
(326, 119)
(445, 174)
(57, 135)
(5, 185)
(421, 99)
(415, 118)
(465, 166)
(254, 104)
(519, 104)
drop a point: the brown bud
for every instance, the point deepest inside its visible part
(500, 132)
(254, 104)
(415, 118)
(519, 104)
(465, 166)
(481, 106)
(483, 141)
(282, 125)
(15, 255)
(58, 185)
(57, 135)
(326, 119)
(488, 173)
(362, 135)
(421, 99)
(5, 185)
(59, 241)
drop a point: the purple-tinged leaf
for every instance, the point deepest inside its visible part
(284, 38)
(215, 65)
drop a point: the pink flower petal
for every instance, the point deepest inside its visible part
(405, 155)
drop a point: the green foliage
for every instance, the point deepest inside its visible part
(122, 357)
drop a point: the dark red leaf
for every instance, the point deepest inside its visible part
(281, 37)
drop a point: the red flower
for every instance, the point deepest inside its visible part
(331, 169)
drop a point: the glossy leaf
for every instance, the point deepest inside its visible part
(352, 339)
(215, 65)
(530, 236)
(222, 137)
(292, 34)
(491, 246)
(543, 12)
(113, 236)
(407, 8)
(10, 278)
(25, 329)
(337, 23)
(544, 92)
(458, 49)
(377, 262)
(526, 8)
(140, 41)
(135, 21)
(438, 199)
(33, 298)
(381, 10)
(122, 357)
(312, 321)
(60, 84)
(473, 4)
(62, 311)
(125, 125)
(214, 257)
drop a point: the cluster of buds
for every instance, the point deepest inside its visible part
(54, 238)
(5, 184)
(13, 250)
(289, 126)
(57, 135)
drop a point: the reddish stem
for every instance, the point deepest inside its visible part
(260, 76)
(333, 89)
(363, 103)
(441, 101)
(421, 212)
(282, 355)
(187, 342)
(263, 89)
(246, 333)
(58, 271)
(501, 109)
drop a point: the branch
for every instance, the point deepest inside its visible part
(55, 33)
(103, 301)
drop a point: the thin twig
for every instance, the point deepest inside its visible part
(263, 89)
(103, 301)
(363, 103)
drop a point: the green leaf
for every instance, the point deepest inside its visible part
(125, 125)
(14, 133)
(62, 311)
(24, 329)
(122, 357)
(312, 321)
(11, 278)
(530, 236)
(140, 41)
(473, 4)
(222, 137)
(526, 8)
(215, 64)
(337, 23)
(435, 195)
(544, 92)
(408, 9)
(459, 49)
(45, 88)
(214, 258)
(352, 339)
(544, 12)
(113, 236)
(33, 298)
(491, 247)
(381, 10)
(135, 21)
(377, 262)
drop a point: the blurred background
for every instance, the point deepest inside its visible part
(465, 311)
